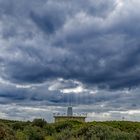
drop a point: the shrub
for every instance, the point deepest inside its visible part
(49, 129)
(34, 133)
(20, 135)
(18, 126)
(39, 122)
(62, 126)
(137, 135)
(6, 133)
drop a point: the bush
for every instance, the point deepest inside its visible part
(39, 122)
(62, 126)
(34, 133)
(17, 126)
(49, 130)
(20, 135)
(90, 132)
(137, 135)
(6, 133)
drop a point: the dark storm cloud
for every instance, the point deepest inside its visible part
(84, 43)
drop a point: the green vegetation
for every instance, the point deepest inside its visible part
(39, 129)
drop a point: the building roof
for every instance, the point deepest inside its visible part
(69, 116)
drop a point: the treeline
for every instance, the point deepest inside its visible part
(39, 129)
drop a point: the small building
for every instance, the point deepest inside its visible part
(58, 117)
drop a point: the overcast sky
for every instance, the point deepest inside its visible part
(57, 52)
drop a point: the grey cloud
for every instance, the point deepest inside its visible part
(85, 45)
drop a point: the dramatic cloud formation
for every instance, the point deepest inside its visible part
(81, 52)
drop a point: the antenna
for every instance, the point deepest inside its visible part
(123, 118)
(69, 111)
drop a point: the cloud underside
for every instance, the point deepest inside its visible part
(86, 53)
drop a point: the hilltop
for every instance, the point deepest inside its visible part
(39, 129)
